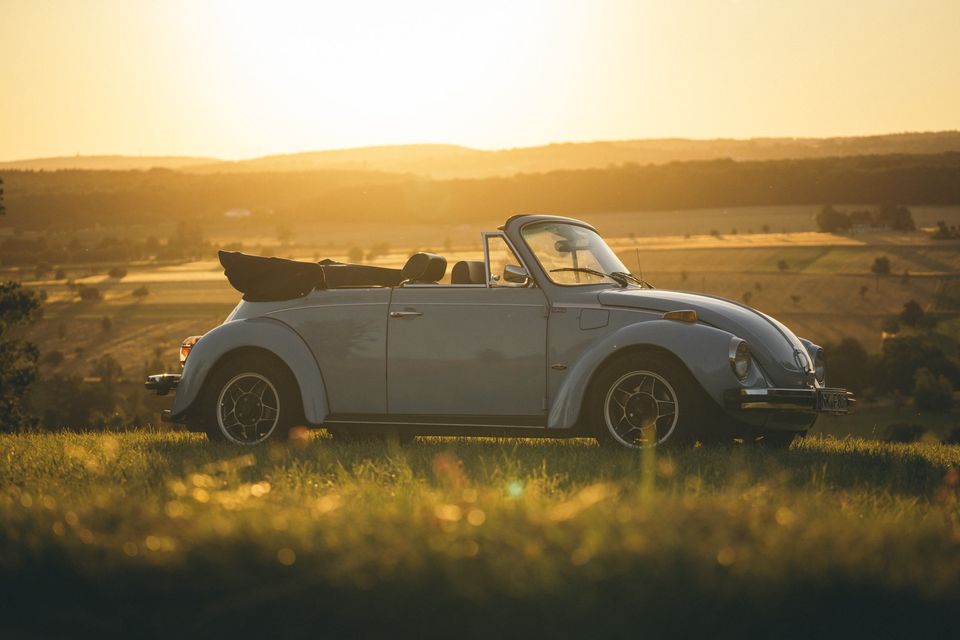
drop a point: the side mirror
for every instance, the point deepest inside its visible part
(515, 274)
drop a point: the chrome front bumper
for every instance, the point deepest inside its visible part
(835, 401)
(162, 383)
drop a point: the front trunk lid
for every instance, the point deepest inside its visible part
(778, 351)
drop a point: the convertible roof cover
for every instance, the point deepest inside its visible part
(262, 279)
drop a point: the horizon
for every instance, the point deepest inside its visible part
(238, 81)
(473, 148)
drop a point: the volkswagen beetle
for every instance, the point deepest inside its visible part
(548, 335)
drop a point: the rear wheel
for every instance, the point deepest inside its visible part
(643, 400)
(250, 400)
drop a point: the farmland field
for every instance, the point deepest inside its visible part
(164, 535)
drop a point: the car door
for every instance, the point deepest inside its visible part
(469, 353)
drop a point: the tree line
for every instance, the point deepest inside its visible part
(66, 200)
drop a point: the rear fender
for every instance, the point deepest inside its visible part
(259, 333)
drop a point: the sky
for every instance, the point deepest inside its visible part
(236, 79)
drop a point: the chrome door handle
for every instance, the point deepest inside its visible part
(404, 314)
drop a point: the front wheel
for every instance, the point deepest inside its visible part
(643, 400)
(249, 401)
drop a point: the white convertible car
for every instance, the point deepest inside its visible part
(549, 334)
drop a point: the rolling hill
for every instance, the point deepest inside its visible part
(451, 161)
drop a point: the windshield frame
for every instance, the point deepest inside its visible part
(609, 280)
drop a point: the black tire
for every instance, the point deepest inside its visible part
(661, 381)
(254, 385)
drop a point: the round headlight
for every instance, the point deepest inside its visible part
(819, 366)
(740, 358)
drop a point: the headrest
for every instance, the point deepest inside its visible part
(424, 267)
(468, 272)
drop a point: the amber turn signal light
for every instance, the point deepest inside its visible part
(685, 315)
(186, 347)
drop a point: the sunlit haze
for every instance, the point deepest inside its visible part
(240, 79)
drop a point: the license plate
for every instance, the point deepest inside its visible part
(830, 401)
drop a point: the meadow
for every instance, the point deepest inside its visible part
(165, 535)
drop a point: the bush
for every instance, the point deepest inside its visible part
(18, 358)
(53, 358)
(830, 220)
(849, 365)
(902, 357)
(930, 392)
(904, 433)
(881, 266)
(912, 314)
(141, 292)
(117, 272)
(89, 294)
(61, 274)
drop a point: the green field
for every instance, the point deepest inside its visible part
(165, 535)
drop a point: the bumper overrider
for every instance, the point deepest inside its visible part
(162, 384)
(828, 400)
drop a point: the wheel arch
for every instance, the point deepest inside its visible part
(256, 337)
(700, 349)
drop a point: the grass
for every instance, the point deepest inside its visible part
(164, 535)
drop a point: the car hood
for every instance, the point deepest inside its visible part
(779, 352)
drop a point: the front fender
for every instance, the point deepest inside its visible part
(702, 348)
(263, 333)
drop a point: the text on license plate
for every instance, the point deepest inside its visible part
(832, 401)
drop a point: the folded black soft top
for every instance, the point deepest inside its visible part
(262, 279)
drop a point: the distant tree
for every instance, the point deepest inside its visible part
(18, 358)
(863, 291)
(117, 272)
(715, 233)
(747, 297)
(733, 231)
(912, 314)
(106, 324)
(783, 266)
(896, 217)
(795, 299)
(684, 275)
(355, 254)
(905, 278)
(758, 286)
(140, 292)
(151, 245)
(42, 270)
(89, 294)
(849, 365)
(765, 228)
(53, 358)
(902, 356)
(932, 392)
(880, 268)
(284, 233)
(107, 369)
(830, 220)
(61, 274)
(62, 330)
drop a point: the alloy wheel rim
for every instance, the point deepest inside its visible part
(641, 409)
(248, 409)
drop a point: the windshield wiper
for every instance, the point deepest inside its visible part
(640, 281)
(616, 276)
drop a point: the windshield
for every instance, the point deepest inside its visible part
(574, 250)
